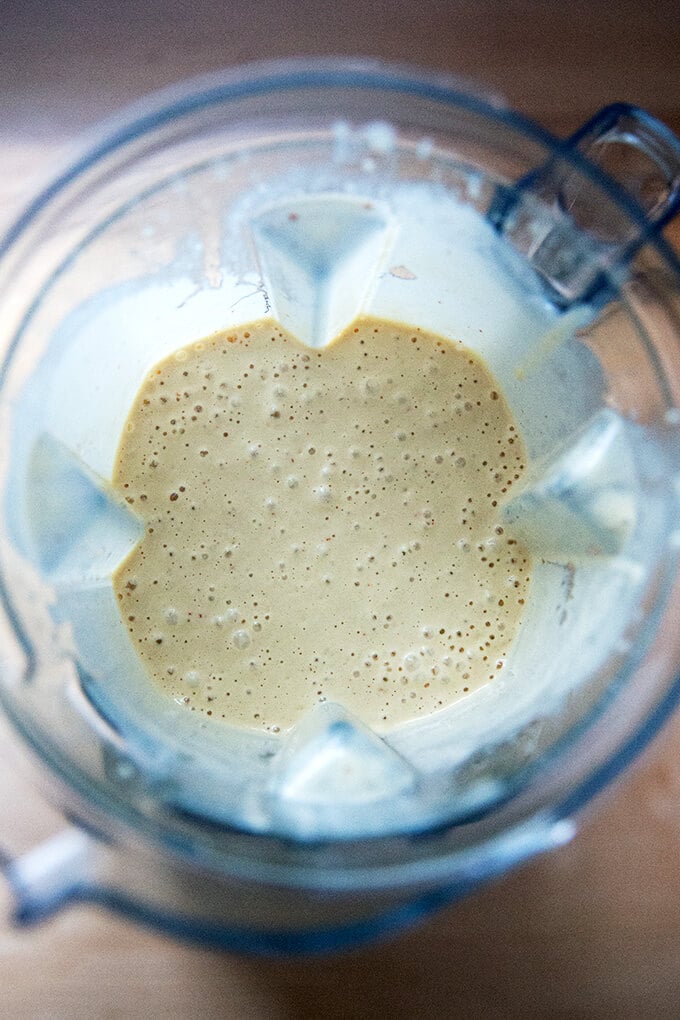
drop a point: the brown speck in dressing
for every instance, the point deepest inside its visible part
(238, 602)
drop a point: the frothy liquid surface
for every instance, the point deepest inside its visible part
(321, 525)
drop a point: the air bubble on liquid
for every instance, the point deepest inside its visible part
(322, 493)
(171, 615)
(232, 614)
(240, 638)
(292, 481)
(270, 503)
(369, 386)
(192, 677)
(411, 661)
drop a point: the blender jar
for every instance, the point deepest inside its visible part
(416, 202)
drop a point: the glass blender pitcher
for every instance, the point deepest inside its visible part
(422, 204)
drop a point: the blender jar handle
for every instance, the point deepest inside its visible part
(606, 191)
(639, 154)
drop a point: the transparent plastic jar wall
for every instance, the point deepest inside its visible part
(163, 229)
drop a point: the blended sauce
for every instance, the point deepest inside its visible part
(321, 525)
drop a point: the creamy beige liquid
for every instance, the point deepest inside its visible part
(321, 525)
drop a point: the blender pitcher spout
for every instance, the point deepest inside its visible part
(580, 218)
(50, 875)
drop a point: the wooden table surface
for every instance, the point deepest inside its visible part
(592, 930)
